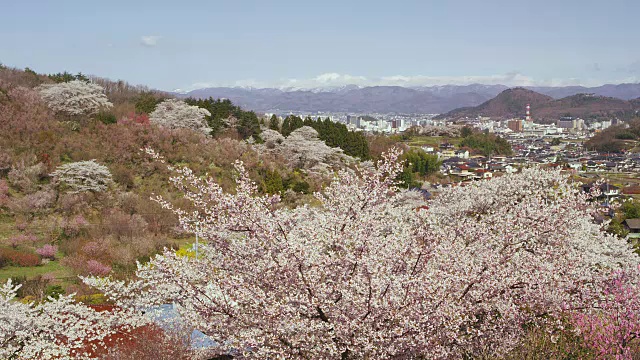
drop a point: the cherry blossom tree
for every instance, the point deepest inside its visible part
(612, 326)
(174, 113)
(303, 149)
(48, 251)
(364, 274)
(75, 98)
(57, 328)
(430, 130)
(83, 176)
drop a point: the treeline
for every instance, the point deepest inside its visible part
(417, 164)
(225, 113)
(332, 133)
(486, 144)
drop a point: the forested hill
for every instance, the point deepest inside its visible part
(616, 138)
(511, 103)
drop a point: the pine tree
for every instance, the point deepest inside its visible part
(274, 123)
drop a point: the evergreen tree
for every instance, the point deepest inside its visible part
(274, 123)
(272, 183)
(146, 102)
(286, 126)
(248, 123)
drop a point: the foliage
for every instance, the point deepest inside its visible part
(446, 131)
(4, 193)
(54, 291)
(555, 142)
(73, 227)
(35, 203)
(630, 209)
(625, 135)
(365, 275)
(68, 77)
(18, 257)
(615, 138)
(380, 144)
(272, 183)
(296, 183)
(96, 268)
(174, 114)
(302, 149)
(466, 131)
(75, 98)
(332, 133)
(418, 161)
(487, 144)
(548, 343)
(616, 227)
(24, 177)
(55, 329)
(106, 118)
(224, 113)
(48, 251)
(274, 123)
(21, 240)
(146, 102)
(133, 118)
(612, 329)
(83, 176)
(407, 179)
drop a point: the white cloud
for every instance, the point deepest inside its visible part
(332, 79)
(150, 40)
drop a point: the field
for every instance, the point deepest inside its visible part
(52, 267)
(423, 140)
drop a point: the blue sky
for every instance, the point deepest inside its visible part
(189, 44)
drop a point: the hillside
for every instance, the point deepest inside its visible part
(512, 102)
(50, 233)
(616, 138)
(509, 103)
(586, 106)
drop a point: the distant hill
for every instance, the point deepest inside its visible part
(587, 106)
(390, 99)
(620, 91)
(511, 103)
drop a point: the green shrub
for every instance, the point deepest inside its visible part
(106, 118)
(53, 291)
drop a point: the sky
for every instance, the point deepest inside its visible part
(185, 45)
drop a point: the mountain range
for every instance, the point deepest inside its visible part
(390, 99)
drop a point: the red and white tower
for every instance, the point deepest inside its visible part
(529, 114)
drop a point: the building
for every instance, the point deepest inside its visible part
(633, 227)
(462, 154)
(354, 120)
(515, 125)
(569, 122)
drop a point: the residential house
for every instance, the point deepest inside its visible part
(633, 226)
